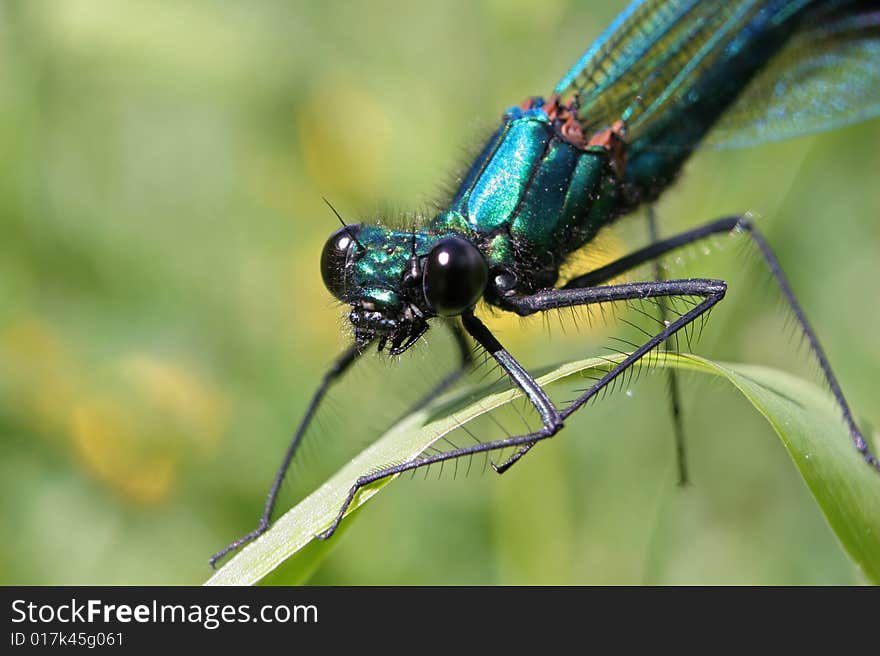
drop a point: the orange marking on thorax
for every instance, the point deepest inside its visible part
(564, 119)
(612, 140)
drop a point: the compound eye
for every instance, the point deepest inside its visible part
(334, 258)
(455, 276)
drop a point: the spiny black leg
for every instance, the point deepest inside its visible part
(512, 460)
(719, 226)
(336, 370)
(655, 250)
(712, 291)
(558, 298)
(332, 375)
(831, 379)
(535, 393)
(544, 406)
(671, 374)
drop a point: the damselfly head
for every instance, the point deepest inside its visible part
(395, 280)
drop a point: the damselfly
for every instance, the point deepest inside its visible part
(664, 79)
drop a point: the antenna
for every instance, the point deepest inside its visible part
(344, 224)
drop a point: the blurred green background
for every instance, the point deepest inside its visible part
(163, 322)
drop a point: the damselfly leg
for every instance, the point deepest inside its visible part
(671, 373)
(581, 291)
(711, 291)
(333, 374)
(672, 378)
(658, 248)
(339, 366)
(726, 225)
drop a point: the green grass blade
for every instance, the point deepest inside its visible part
(806, 419)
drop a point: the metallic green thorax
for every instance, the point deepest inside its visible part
(529, 200)
(532, 197)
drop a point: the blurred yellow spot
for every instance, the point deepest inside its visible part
(344, 132)
(179, 394)
(105, 438)
(129, 428)
(134, 428)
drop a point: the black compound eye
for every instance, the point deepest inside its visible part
(455, 276)
(335, 256)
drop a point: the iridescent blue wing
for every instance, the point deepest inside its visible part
(651, 56)
(817, 68)
(825, 77)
